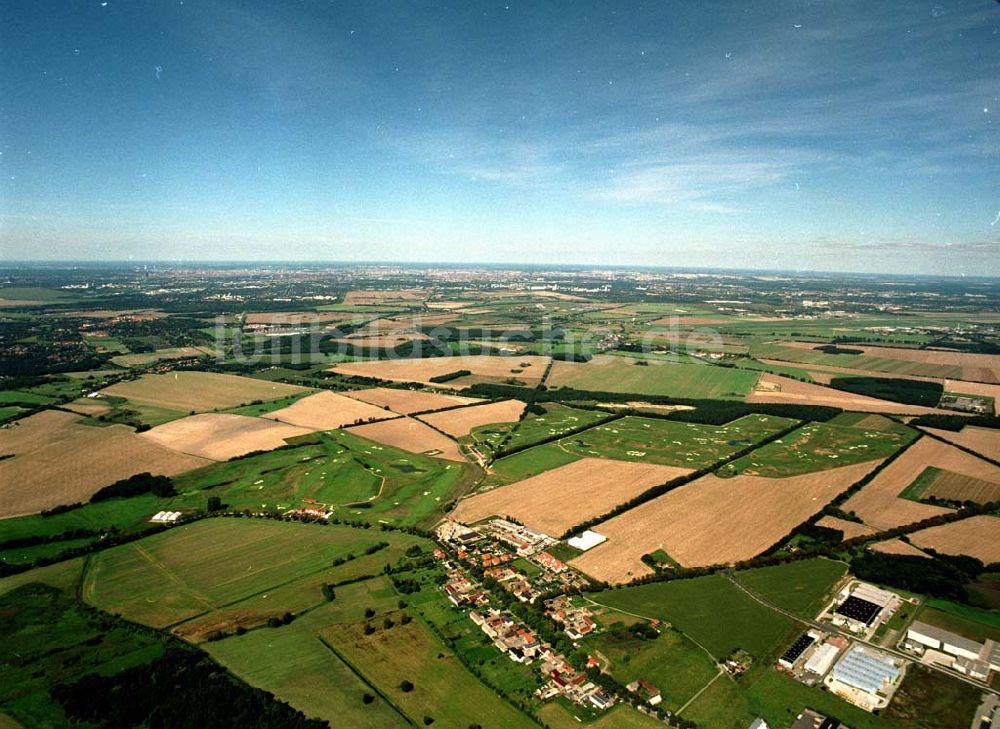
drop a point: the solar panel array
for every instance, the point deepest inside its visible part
(797, 648)
(864, 671)
(858, 609)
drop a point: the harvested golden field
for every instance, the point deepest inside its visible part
(527, 368)
(878, 504)
(199, 391)
(220, 436)
(457, 423)
(850, 529)
(973, 388)
(328, 410)
(985, 441)
(88, 406)
(778, 389)
(58, 461)
(713, 521)
(143, 358)
(977, 536)
(959, 487)
(381, 341)
(411, 435)
(408, 402)
(898, 547)
(556, 500)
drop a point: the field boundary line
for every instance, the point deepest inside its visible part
(364, 680)
(700, 692)
(646, 617)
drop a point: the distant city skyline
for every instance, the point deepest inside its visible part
(849, 136)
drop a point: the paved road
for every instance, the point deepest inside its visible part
(828, 628)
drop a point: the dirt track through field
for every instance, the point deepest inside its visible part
(556, 500)
(878, 504)
(219, 436)
(58, 461)
(713, 521)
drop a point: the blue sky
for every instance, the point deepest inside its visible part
(858, 136)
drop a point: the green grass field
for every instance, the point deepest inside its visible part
(646, 440)
(974, 623)
(620, 374)
(671, 443)
(802, 588)
(300, 669)
(557, 420)
(176, 575)
(671, 662)
(816, 447)
(711, 610)
(23, 397)
(267, 407)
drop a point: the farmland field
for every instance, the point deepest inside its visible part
(671, 662)
(977, 536)
(219, 436)
(443, 689)
(328, 410)
(198, 391)
(937, 483)
(411, 435)
(303, 671)
(524, 368)
(407, 402)
(178, 574)
(58, 461)
(879, 504)
(817, 447)
(778, 389)
(802, 587)
(460, 422)
(713, 521)
(984, 441)
(556, 500)
(711, 610)
(621, 374)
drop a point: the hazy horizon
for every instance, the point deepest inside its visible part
(854, 137)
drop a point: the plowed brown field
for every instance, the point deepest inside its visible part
(977, 536)
(482, 367)
(408, 402)
(411, 435)
(328, 410)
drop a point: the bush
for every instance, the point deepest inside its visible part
(405, 686)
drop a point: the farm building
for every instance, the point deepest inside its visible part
(865, 677)
(790, 657)
(861, 606)
(586, 540)
(809, 719)
(822, 658)
(966, 656)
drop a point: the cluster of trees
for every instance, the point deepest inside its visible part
(894, 389)
(449, 376)
(140, 483)
(162, 694)
(934, 577)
